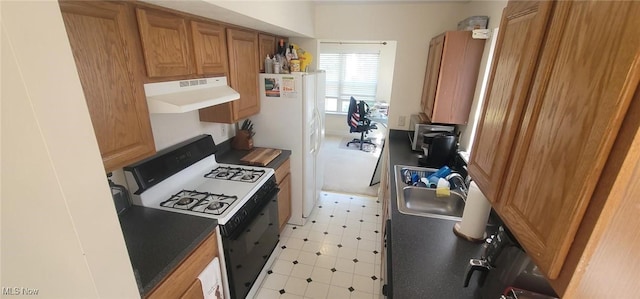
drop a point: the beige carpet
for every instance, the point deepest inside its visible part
(365, 146)
(347, 170)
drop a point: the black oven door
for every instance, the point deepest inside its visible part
(249, 247)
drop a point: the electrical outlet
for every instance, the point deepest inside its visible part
(401, 120)
(223, 130)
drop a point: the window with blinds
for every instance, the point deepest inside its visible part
(349, 75)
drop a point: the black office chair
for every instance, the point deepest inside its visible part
(359, 123)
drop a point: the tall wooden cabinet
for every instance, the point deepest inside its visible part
(555, 104)
(103, 41)
(450, 80)
(244, 67)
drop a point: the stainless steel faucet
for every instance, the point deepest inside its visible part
(463, 183)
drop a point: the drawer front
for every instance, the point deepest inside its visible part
(179, 281)
(282, 171)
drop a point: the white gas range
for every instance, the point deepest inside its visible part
(207, 189)
(186, 178)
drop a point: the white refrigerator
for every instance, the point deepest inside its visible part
(292, 117)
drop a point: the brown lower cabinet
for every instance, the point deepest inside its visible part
(283, 179)
(183, 281)
(560, 108)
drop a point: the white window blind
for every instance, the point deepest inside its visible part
(349, 75)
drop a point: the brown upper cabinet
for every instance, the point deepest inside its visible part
(165, 43)
(561, 84)
(453, 64)
(267, 47)
(519, 42)
(244, 67)
(104, 45)
(210, 47)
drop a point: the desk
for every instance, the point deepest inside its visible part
(375, 177)
(380, 119)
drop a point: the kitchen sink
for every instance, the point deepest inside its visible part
(422, 201)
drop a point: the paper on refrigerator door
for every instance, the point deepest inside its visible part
(289, 87)
(211, 281)
(272, 87)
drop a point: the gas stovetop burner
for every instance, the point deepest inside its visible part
(215, 205)
(185, 201)
(236, 174)
(201, 202)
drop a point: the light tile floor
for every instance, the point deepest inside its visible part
(336, 254)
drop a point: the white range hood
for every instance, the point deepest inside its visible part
(188, 95)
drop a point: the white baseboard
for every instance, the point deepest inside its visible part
(341, 133)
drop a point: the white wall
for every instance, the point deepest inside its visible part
(169, 129)
(493, 9)
(410, 24)
(285, 18)
(60, 232)
(297, 16)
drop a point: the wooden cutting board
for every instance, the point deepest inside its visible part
(260, 156)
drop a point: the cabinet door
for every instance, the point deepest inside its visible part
(108, 66)
(520, 37)
(244, 69)
(210, 48)
(181, 279)
(267, 47)
(456, 80)
(284, 201)
(243, 77)
(165, 43)
(587, 75)
(431, 76)
(194, 291)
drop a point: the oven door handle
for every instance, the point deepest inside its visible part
(272, 195)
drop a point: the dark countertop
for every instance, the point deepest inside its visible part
(228, 155)
(428, 260)
(158, 241)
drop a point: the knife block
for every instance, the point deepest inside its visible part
(242, 140)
